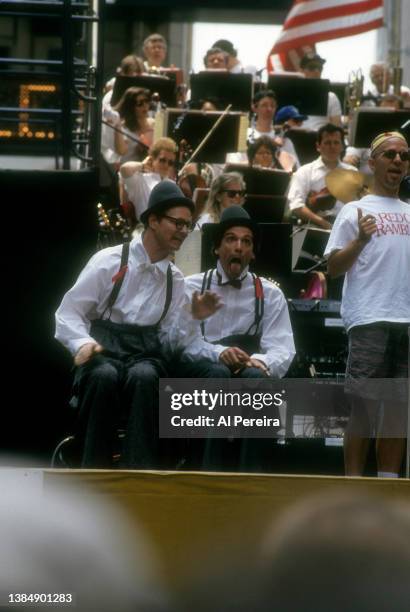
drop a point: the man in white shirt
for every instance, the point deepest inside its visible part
(308, 196)
(311, 65)
(122, 321)
(370, 243)
(251, 335)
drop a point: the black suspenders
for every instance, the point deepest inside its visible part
(259, 300)
(118, 280)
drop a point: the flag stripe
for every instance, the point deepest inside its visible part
(328, 35)
(331, 12)
(310, 6)
(318, 29)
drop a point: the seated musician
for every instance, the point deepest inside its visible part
(155, 51)
(311, 66)
(139, 178)
(308, 196)
(265, 154)
(251, 335)
(216, 59)
(226, 190)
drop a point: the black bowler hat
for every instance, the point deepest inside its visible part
(235, 216)
(311, 58)
(166, 195)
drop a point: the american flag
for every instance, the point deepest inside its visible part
(311, 21)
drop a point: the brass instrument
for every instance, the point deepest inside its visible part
(348, 185)
(354, 91)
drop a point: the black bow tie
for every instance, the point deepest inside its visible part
(234, 282)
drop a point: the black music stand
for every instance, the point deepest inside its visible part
(308, 246)
(164, 86)
(310, 96)
(273, 260)
(368, 122)
(193, 126)
(264, 208)
(304, 142)
(235, 89)
(340, 90)
(262, 181)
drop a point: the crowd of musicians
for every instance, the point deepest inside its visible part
(132, 317)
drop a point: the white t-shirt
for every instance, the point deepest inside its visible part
(139, 186)
(377, 286)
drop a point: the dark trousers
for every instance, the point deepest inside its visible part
(109, 390)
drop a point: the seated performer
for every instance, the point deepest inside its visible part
(155, 51)
(122, 321)
(226, 189)
(139, 178)
(249, 336)
(311, 65)
(370, 243)
(308, 196)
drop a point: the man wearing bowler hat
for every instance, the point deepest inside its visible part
(121, 320)
(251, 335)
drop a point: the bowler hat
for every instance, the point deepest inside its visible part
(166, 194)
(235, 216)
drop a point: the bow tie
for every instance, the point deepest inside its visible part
(235, 282)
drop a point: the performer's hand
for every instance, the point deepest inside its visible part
(256, 363)
(86, 352)
(204, 305)
(235, 358)
(367, 226)
(147, 164)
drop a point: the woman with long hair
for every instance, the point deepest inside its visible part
(226, 189)
(134, 123)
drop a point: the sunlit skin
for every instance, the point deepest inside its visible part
(162, 164)
(263, 157)
(265, 110)
(225, 200)
(330, 148)
(235, 253)
(388, 173)
(216, 61)
(155, 52)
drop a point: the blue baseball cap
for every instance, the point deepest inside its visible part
(289, 112)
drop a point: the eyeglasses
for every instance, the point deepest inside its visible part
(141, 102)
(232, 193)
(164, 160)
(391, 154)
(181, 224)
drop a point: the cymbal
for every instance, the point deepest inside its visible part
(348, 185)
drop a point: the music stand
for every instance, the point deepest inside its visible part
(273, 260)
(310, 96)
(368, 122)
(235, 89)
(262, 181)
(264, 208)
(308, 246)
(165, 87)
(194, 125)
(340, 90)
(304, 142)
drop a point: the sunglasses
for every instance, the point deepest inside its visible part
(164, 160)
(391, 154)
(181, 224)
(232, 193)
(140, 103)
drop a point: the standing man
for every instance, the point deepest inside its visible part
(370, 243)
(308, 196)
(121, 321)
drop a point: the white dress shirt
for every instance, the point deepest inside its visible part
(238, 313)
(138, 187)
(311, 177)
(140, 301)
